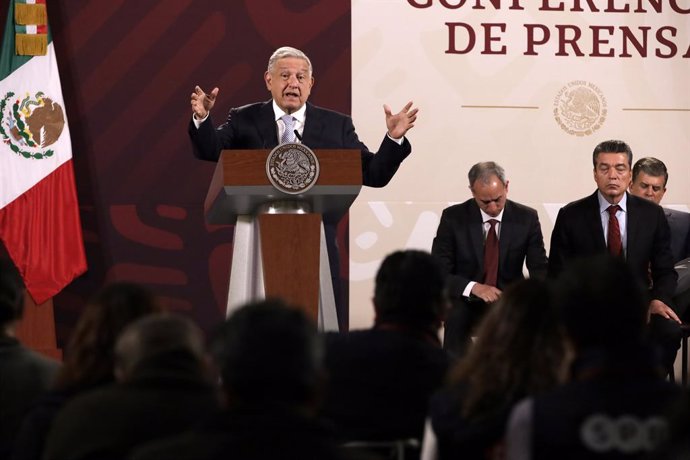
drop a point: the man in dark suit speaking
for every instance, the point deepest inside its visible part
(288, 117)
(626, 226)
(476, 273)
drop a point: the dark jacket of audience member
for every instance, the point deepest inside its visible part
(380, 379)
(677, 445)
(24, 374)
(270, 360)
(88, 362)
(520, 351)
(164, 387)
(616, 404)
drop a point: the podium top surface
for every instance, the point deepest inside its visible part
(240, 185)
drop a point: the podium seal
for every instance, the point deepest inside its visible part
(292, 168)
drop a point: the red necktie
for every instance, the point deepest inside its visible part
(614, 236)
(491, 255)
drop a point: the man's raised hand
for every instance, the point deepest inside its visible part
(202, 102)
(401, 122)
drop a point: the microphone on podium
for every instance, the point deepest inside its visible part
(297, 135)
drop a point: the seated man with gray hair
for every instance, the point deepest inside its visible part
(472, 238)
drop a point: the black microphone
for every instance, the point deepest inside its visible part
(298, 136)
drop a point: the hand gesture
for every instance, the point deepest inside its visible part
(202, 103)
(401, 122)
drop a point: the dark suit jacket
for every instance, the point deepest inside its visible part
(380, 382)
(459, 245)
(165, 395)
(679, 222)
(254, 432)
(24, 377)
(578, 232)
(253, 126)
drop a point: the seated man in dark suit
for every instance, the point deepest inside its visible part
(24, 375)
(617, 403)
(164, 388)
(615, 222)
(476, 275)
(649, 179)
(270, 360)
(381, 378)
(288, 117)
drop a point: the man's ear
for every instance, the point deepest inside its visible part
(267, 80)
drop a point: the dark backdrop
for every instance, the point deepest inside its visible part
(128, 69)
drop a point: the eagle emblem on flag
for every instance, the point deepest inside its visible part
(31, 124)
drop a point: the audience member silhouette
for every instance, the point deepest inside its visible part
(381, 379)
(88, 361)
(520, 350)
(270, 360)
(616, 402)
(163, 387)
(677, 445)
(24, 374)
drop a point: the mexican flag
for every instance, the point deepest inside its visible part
(39, 213)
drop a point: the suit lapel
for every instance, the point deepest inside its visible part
(506, 234)
(631, 229)
(313, 125)
(476, 233)
(593, 219)
(267, 126)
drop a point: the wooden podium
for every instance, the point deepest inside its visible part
(279, 246)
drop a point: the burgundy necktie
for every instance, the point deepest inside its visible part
(614, 236)
(491, 255)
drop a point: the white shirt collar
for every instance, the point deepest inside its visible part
(604, 205)
(486, 217)
(299, 115)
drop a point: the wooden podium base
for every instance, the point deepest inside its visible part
(283, 255)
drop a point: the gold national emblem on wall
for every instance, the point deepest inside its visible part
(580, 108)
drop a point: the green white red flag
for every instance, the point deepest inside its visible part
(39, 213)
